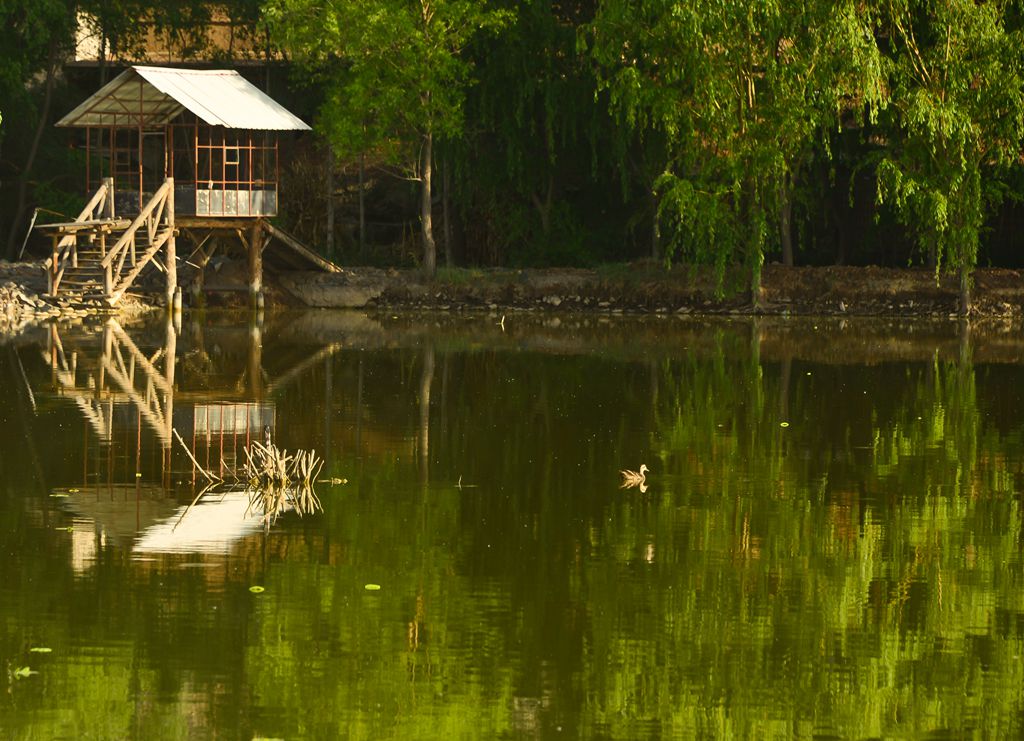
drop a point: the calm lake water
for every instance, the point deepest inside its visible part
(829, 544)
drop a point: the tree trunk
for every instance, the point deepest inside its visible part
(786, 220)
(445, 185)
(329, 241)
(837, 210)
(267, 58)
(755, 247)
(103, 58)
(544, 207)
(784, 382)
(426, 211)
(755, 286)
(965, 290)
(426, 380)
(44, 114)
(655, 227)
(362, 206)
(840, 246)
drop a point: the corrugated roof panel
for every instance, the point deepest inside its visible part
(217, 97)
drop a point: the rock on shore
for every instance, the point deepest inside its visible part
(23, 300)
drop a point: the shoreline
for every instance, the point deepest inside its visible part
(648, 288)
(644, 288)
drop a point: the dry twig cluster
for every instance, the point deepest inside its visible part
(277, 479)
(273, 478)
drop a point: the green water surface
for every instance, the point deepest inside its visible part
(829, 543)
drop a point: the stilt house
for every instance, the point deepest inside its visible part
(171, 150)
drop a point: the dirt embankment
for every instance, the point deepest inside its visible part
(642, 288)
(649, 288)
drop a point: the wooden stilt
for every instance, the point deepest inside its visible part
(255, 369)
(54, 263)
(170, 358)
(172, 257)
(256, 239)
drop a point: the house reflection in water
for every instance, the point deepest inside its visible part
(220, 432)
(136, 481)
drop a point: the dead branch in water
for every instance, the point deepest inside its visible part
(274, 479)
(210, 477)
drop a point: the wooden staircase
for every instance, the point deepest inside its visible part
(97, 257)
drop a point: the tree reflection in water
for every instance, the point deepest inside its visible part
(855, 573)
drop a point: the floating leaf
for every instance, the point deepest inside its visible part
(41, 650)
(256, 589)
(783, 424)
(372, 587)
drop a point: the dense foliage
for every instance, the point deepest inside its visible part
(724, 133)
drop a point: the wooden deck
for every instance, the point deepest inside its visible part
(99, 256)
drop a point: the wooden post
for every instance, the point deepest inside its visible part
(108, 351)
(170, 358)
(256, 264)
(109, 209)
(196, 287)
(108, 281)
(172, 257)
(52, 342)
(53, 267)
(255, 369)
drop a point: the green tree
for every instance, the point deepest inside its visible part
(742, 93)
(395, 74)
(535, 156)
(955, 122)
(34, 37)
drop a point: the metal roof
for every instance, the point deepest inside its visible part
(153, 96)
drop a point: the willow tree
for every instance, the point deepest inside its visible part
(742, 93)
(395, 75)
(533, 135)
(954, 121)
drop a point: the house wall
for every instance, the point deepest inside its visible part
(217, 39)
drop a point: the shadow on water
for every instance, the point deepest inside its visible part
(825, 538)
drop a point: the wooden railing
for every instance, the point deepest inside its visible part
(99, 210)
(156, 222)
(121, 373)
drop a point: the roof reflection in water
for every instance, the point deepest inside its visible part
(211, 526)
(136, 483)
